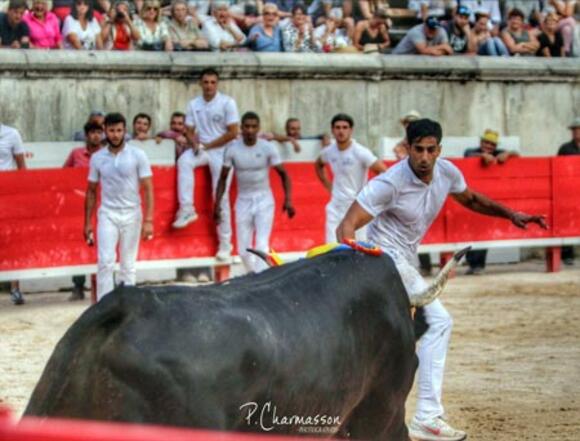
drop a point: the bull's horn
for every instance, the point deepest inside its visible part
(261, 255)
(436, 288)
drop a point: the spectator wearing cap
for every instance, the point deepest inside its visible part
(298, 34)
(433, 8)
(95, 117)
(153, 30)
(428, 38)
(184, 32)
(571, 148)
(44, 26)
(489, 154)
(14, 32)
(373, 35)
(266, 36)
(461, 37)
(81, 30)
(486, 43)
(401, 150)
(118, 30)
(550, 40)
(518, 40)
(221, 31)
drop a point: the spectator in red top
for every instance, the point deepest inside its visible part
(44, 26)
(81, 157)
(117, 30)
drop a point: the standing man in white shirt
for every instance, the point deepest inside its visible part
(212, 123)
(12, 158)
(251, 158)
(350, 163)
(402, 203)
(121, 169)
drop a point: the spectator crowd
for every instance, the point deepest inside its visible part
(545, 28)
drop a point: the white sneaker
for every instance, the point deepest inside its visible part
(435, 429)
(183, 219)
(224, 252)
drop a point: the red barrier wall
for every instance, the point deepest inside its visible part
(41, 211)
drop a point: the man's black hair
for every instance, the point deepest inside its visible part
(342, 117)
(178, 114)
(250, 115)
(515, 12)
(423, 128)
(115, 118)
(142, 115)
(299, 7)
(91, 126)
(209, 71)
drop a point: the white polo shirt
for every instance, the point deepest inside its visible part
(252, 165)
(404, 207)
(10, 145)
(211, 119)
(119, 176)
(350, 168)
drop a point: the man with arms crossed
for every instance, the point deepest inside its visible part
(402, 203)
(214, 118)
(350, 163)
(251, 159)
(121, 169)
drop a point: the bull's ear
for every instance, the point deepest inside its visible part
(261, 255)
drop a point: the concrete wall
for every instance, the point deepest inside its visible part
(48, 94)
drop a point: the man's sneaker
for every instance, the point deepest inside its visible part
(183, 219)
(435, 429)
(16, 297)
(224, 252)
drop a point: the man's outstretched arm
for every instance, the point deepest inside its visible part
(355, 218)
(482, 204)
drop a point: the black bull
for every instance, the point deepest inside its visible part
(323, 346)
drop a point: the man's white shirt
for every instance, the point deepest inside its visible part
(10, 145)
(350, 168)
(404, 207)
(211, 119)
(252, 165)
(119, 176)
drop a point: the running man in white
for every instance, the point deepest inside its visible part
(212, 123)
(12, 158)
(350, 163)
(402, 203)
(251, 159)
(121, 169)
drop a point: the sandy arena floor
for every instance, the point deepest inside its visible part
(513, 370)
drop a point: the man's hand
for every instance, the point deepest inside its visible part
(158, 139)
(289, 209)
(503, 157)
(89, 235)
(488, 159)
(296, 145)
(147, 230)
(521, 220)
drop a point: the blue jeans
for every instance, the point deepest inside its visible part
(494, 47)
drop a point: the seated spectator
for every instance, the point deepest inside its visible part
(293, 129)
(176, 132)
(489, 154)
(221, 31)
(266, 36)
(285, 7)
(184, 32)
(428, 38)
(95, 117)
(373, 35)
(433, 8)
(532, 10)
(567, 22)
(153, 30)
(320, 10)
(200, 9)
(329, 37)
(14, 31)
(247, 13)
(489, 7)
(550, 40)
(461, 38)
(118, 30)
(518, 40)
(486, 43)
(571, 148)
(81, 30)
(141, 127)
(43, 26)
(364, 9)
(298, 35)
